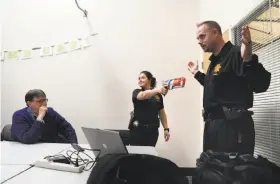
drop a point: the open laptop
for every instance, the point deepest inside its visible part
(108, 142)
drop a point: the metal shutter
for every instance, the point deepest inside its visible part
(264, 23)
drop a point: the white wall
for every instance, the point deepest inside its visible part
(226, 13)
(93, 88)
(0, 74)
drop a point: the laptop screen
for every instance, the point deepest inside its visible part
(107, 141)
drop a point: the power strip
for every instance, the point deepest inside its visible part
(58, 166)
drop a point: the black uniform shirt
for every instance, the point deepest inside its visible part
(147, 111)
(231, 82)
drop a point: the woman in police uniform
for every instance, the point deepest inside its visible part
(148, 108)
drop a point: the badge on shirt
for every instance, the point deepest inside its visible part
(157, 97)
(217, 69)
(136, 123)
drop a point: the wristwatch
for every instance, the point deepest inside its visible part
(166, 129)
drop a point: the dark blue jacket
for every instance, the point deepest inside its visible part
(28, 130)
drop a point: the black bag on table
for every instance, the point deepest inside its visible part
(135, 169)
(231, 168)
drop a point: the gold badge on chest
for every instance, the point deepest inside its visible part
(217, 69)
(157, 97)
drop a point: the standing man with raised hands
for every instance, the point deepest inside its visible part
(234, 74)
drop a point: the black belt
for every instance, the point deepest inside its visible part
(228, 113)
(213, 113)
(137, 124)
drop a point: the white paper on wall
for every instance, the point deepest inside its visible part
(85, 43)
(2, 56)
(49, 50)
(59, 49)
(46, 51)
(26, 54)
(13, 55)
(74, 45)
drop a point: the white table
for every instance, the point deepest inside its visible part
(46, 176)
(142, 150)
(14, 153)
(149, 150)
(8, 171)
(16, 157)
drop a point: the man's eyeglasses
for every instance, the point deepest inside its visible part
(41, 100)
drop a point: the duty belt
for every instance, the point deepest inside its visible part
(216, 113)
(225, 113)
(137, 124)
(212, 116)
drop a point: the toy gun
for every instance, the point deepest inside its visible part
(174, 83)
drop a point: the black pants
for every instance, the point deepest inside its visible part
(143, 136)
(238, 135)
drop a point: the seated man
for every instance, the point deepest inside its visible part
(39, 123)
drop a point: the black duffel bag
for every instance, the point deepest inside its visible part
(233, 168)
